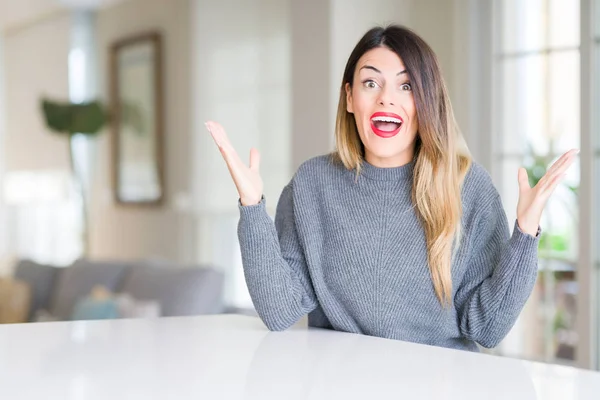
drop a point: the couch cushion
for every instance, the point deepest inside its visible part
(41, 280)
(76, 282)
(179, 290)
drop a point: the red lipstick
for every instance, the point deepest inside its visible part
(386, 125)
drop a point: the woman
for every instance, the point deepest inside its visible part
(398, 234)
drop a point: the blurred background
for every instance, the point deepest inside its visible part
(116, 203)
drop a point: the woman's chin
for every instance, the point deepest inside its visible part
(388, 155)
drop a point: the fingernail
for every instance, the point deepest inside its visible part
(206, 125)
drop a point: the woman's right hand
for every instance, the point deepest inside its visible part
(247, 180)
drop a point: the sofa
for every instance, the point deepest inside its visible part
(178, 290)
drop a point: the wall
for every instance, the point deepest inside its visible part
(15, 15)
(166, 232)
(30, 146)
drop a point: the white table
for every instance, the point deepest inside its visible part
(235, 357)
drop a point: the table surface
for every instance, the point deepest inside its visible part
(235, 357)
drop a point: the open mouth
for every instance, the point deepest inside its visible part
(386, 125)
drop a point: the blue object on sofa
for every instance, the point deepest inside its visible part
(90, 308)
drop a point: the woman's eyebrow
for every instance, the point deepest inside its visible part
(378, 71)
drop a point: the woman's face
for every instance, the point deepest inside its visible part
(381, 100)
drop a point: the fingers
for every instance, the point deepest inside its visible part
(563, 162)
(555, 181)
(254, 160)
(554, 175)
(220, 137)
(523, 179)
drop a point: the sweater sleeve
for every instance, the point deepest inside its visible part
(274, 264)
(500, 276)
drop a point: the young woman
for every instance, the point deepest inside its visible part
(398, 233)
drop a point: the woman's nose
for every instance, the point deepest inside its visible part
(385, 98)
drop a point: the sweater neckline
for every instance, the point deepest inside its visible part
(387, 174)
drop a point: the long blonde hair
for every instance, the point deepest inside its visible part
(442, 158)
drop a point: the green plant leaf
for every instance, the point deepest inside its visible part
(58, 116)
(86, 118)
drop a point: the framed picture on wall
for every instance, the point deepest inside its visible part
(136, 99)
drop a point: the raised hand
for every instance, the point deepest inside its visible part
(247, 180)
(533, 200)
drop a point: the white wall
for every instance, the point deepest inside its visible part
(36, 64)
(166, 232)
(18, 14)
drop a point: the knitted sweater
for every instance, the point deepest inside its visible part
(351, 253)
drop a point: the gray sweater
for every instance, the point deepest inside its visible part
(352, 255)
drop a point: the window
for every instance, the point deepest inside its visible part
(537, 119)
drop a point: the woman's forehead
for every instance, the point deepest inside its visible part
(382, 59)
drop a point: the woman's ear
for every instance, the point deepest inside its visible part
(349, 107)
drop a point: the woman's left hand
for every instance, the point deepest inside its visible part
(533, 200)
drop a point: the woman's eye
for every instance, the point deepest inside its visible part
(406, 86)
(370, 84)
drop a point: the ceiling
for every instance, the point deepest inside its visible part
(14, 13)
